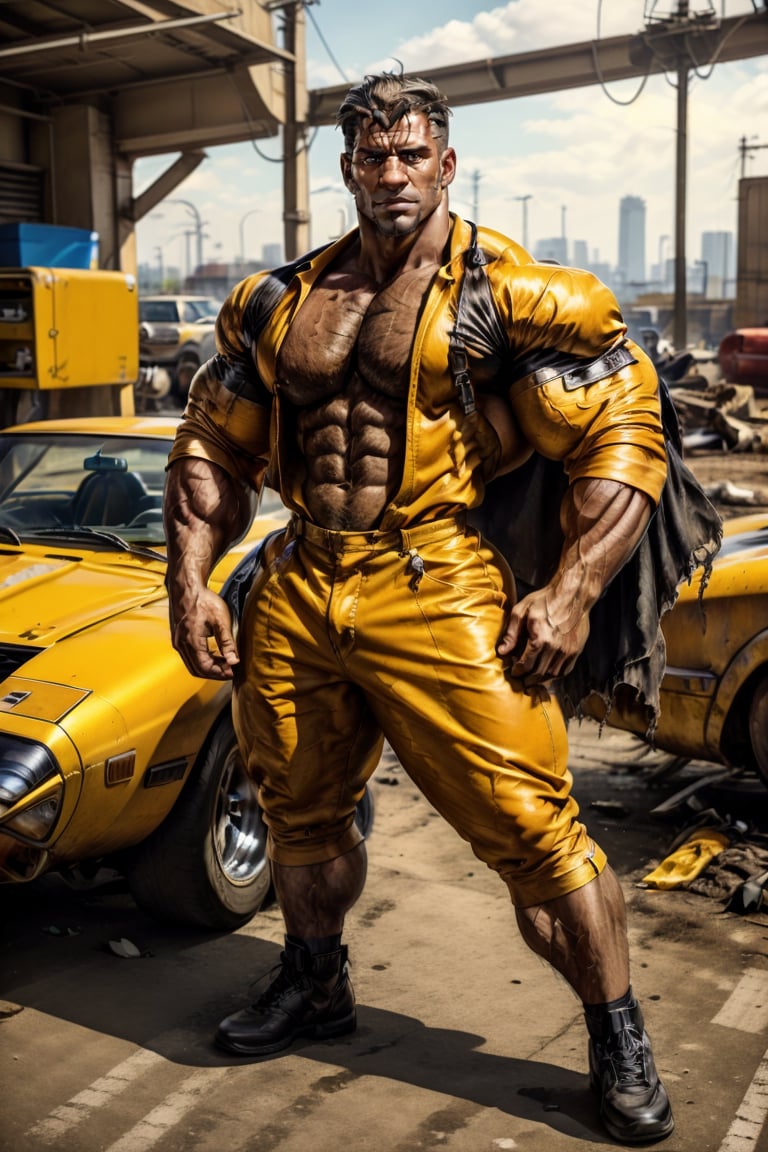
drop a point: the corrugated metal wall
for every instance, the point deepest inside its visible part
(21, 193)
(751, 310)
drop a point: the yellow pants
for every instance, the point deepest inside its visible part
(347, 638)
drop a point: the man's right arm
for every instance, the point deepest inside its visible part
(217, 467)
(206, 511)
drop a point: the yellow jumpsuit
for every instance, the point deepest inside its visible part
(347, 638)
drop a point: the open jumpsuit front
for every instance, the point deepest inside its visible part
(350, 637)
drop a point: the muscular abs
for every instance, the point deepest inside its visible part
(344, 368)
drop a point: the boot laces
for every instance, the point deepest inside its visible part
(284, 980)
(626, 1055)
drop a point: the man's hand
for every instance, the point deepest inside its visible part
(205, 511)
(202, 635)
(602, 522)
(543, 640)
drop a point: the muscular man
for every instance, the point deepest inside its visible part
(379, 385)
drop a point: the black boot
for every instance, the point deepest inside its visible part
(310, 996)
(633, 1104)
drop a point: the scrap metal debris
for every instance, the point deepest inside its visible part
(610, 808)
(728, 493)
(723, 859)
(720, 415)
(126, 949)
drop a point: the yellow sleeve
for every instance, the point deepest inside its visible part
(608, 429)
(220, 426)
(227, 417)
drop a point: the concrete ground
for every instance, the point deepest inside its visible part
(466, 1041)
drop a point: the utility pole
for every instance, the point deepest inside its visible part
(295, 161)
(668, 38)
(680, 332)
(745, 148)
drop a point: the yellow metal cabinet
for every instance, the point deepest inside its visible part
(67, 327)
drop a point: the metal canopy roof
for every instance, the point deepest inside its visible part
(61, 51)
(65, 50)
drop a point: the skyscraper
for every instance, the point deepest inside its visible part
(580, 254)
(552, 248)
(632, 240)
(717, 256)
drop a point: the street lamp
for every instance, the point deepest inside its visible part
(662, 271)
(243, 219)
(524, 201)
(345, 209)
(198, 232)
(160, 250)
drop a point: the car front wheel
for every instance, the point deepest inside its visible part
(758, 727)
(206, 866)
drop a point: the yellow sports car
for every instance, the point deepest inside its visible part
(111, 753)
(714, 695)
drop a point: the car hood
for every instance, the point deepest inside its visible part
(46, 595)
(740, 567)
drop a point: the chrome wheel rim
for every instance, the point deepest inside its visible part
(239, 833)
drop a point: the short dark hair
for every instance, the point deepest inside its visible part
(387, 96)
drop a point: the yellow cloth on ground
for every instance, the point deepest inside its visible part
(689, 860)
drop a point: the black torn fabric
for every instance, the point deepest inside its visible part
(521, 516)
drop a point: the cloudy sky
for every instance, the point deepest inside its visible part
(575, 153)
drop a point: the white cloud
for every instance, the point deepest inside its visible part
(574, 148)
(520, 26)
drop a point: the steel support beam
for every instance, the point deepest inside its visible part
(578, 65)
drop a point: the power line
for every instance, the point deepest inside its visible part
(599, 72)
(325, 45)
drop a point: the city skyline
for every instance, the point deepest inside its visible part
(520, 161)
(715, 251)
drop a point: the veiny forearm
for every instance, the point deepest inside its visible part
(602, 523)
(205, 511)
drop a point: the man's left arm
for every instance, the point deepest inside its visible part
(603, 421)
(602, 521)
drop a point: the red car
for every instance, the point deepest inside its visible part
(743, 356)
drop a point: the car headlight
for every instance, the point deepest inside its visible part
(26, 767)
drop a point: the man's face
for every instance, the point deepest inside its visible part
(397, 176)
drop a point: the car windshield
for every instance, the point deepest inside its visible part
(185, 310)
(200, 309)
(54, 480)
(158, 311)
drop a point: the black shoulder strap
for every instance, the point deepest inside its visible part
(457, 353)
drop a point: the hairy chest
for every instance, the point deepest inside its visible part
(348, 329)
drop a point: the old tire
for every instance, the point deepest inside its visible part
(185, 370)
(206, 865)
(758, 727)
